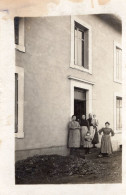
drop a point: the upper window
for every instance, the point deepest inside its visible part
(19, 33)
(80, 45)
(117, 63)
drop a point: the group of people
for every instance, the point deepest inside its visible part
(84, 134)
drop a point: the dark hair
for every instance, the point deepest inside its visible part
(107, 123)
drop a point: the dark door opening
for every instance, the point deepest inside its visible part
(79, 103)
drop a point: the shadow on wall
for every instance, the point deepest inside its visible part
(111, 20)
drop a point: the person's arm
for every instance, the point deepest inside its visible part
(97, 123)
(70, 126)
(100, 131)
(78, 126)
(92, 121)
(88, 125)
(112, 132)
(91, 138)
(86, 138)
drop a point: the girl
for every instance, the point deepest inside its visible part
(106, 146)
(73, 135)
(87, 143)
(84, 128)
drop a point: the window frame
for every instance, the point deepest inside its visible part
(85, 25)
(20, 72)
(20, 46)
(116, 44)
(115, 97)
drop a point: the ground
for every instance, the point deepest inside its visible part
(55, 169)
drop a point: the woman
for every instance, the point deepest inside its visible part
(96, 138)
(84, 128)
(74, 135)
(106, 146)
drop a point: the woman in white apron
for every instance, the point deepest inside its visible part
(73, 135)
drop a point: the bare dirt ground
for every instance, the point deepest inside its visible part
(78, 169)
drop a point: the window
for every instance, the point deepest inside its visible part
(119, 113)
(19, 33)
(19, 102)
(80, 45)
(117, 63)
(16, 102)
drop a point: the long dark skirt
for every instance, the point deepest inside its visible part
(106, 146)
(96, 138)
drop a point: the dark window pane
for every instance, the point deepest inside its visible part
(16, 28)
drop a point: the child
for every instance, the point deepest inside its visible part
(87, 143)
(94, 120)
(95, 124)
(106, 146)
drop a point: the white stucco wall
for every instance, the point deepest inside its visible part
(46, 65)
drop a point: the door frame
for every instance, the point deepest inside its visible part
(83, 85)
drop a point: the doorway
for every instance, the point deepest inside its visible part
(79, 102)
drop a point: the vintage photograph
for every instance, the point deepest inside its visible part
(68, 99)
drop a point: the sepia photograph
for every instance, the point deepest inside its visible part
(62, 97)
(68, 99)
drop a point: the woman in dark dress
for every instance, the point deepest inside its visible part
(95, 125)
(84, 129)
(106, 146)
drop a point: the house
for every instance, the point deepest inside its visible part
(65, 65)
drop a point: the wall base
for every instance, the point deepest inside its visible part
(23, 154)
(60, 150)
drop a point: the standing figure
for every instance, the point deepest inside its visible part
(106, 145)
(95, 125)
(91, 129)
(84, 128)
(87, 143)
(73, 135)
